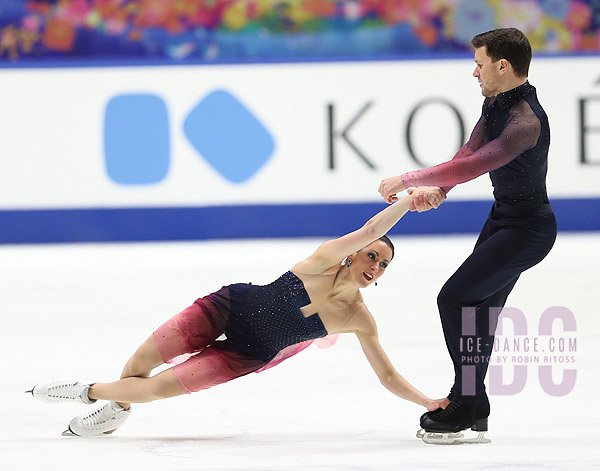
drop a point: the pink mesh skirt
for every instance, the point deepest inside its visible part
(189, 340)
(194, 331)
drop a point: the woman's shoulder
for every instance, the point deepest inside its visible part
(362, 319)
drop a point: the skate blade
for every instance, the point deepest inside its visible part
(68, 433)
(436, 438)
(421, 433)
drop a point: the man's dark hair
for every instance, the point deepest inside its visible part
(506, 43)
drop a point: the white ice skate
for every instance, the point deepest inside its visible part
(62, 391)
(101, 421)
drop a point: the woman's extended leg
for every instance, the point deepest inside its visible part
(144, 360)
(192, 330)
(135, 384)
(138, 389)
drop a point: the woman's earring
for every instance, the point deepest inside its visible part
(375, 283)
(349, 263)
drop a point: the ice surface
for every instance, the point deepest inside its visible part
(79, 311)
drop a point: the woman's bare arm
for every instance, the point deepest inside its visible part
(365, 329)
(332, 252)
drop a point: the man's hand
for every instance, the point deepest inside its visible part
(390, 187)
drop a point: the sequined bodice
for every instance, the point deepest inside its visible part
(265, 319)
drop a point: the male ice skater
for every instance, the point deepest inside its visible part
(510, 141)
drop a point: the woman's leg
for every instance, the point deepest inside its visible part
(210, 367)
(192, 330)
(140, 365)
(138, 389)
(144, 360)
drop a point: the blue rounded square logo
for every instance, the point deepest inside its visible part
(136, 139)
(228, 136)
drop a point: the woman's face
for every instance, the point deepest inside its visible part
(370, 263)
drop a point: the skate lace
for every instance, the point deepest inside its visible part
(99, 416)
(63, 391)
(450, 409)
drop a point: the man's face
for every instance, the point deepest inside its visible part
(487, 73)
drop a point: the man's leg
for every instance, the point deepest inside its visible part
(485, 278)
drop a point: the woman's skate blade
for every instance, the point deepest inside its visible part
(68, 433)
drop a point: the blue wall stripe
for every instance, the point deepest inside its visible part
(257, 221)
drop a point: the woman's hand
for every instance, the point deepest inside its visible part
(435, 404)
(425, 198)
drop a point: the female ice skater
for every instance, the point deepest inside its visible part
(511, 142)
(264, 325)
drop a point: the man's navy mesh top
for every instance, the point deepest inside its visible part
(510, 141)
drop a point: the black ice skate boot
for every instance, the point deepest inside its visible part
(433, 412)
(444, 427)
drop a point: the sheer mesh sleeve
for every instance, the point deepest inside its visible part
(475, 158)
(476, 140)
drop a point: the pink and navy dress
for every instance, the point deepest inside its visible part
(263, 320)
(262, 326)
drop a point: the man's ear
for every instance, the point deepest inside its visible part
(504, 67)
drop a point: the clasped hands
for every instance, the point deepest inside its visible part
(424, 198)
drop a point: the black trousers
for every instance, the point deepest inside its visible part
(511, 241)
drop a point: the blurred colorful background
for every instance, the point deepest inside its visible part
(281, 30)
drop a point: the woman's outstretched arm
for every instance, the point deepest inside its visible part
(333, 251)
(365, 329)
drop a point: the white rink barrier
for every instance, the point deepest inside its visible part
(193, 152)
